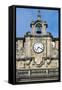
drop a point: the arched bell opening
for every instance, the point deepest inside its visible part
(38, 30)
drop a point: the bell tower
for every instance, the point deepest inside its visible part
(39, 26)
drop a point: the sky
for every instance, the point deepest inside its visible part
(24, 16)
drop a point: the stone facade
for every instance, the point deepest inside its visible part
(33, 59)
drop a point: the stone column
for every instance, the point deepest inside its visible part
(57, 44)
(49, 47)
(43, 28)
(33, 29)
(27, 47)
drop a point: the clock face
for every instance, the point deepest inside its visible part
(38, 47)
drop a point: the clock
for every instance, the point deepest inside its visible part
(38, 47)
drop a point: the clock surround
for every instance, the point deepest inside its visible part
(38, 47)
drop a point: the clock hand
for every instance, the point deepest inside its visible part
(40, 48)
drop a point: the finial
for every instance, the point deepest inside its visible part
(39, 16)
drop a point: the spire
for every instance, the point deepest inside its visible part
(39, 16)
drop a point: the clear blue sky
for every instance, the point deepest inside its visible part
(24, 16)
